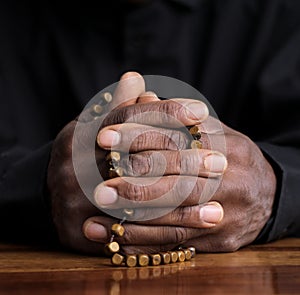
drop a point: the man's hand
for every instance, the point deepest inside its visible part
(70, 207)
(226, 219)
(232, 218)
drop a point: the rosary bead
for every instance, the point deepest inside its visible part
(117, 259)
(96, 110)
(112, 247)
(166, 257)
(143, 260)
(196, 144)
(131, 260)
(115, 172)
(181, 256)
(128, 212)
(195, 132)
(106, 97)
(118, 229)
(174, 256)
(193, 251)
(155, 259)
(188, 254)
(114, 157)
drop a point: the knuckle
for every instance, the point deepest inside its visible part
(160, 139)
(116, 116)
(128, 237)
(229, 244)
(244, 190)
(175, 140)
(180, 235)
(141, 141)
(138, 164)
(189, 162)
(182, 215)
(197, 191)
(242, 144)
(170, 107)
(179, 163)
(135, 192)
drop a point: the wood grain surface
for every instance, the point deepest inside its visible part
(258, 269)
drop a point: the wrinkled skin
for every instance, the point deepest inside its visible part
(236, 211)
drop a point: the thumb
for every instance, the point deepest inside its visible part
(128, 90)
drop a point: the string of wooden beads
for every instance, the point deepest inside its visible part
(118, 259)
(97, 110)
(114, 170)
(196, 134)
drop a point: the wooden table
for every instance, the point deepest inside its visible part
(263, 269)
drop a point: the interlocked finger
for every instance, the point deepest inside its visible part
(133, 137)
(137, 234)
(193, 162)
(158, 192)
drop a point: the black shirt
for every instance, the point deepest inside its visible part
(243, 55)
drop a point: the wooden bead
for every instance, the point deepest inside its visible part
(193, 251)
(181, 256)
(96, 110)
(143, 260)
(165, 257)
(115, 157)
(128, 212)
(112, 247)
(120, 171)
(106, 97)
(118, 229)
(174, 256)
(196, 144)
(155, 259)
(188, 254)
(195, 132)
(131, 260)
(117, 259)
(115, 172)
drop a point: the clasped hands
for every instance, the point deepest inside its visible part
(243, 182)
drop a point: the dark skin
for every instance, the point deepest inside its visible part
(230, 218)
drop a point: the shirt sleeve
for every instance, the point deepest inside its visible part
(24, 212)
(285, 220)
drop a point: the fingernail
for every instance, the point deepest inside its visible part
(197, 111)
(130, 75)
(105, 196)
(95, 231)
(211, 213)
(109, 138)
(215, 162)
